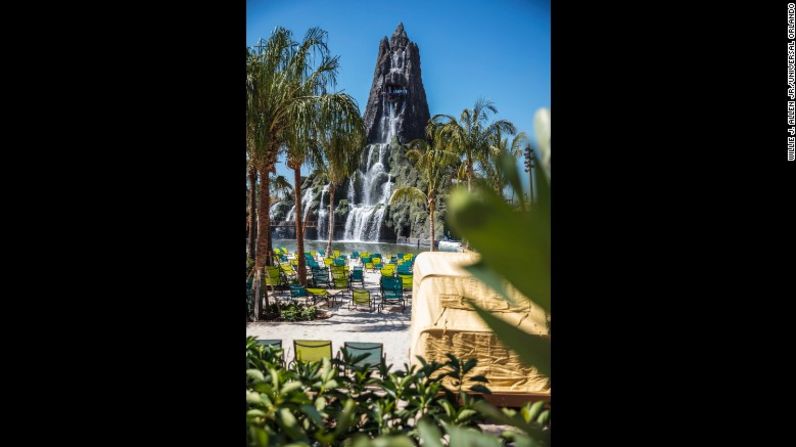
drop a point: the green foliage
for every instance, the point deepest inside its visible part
(515, 249)
(472, 135)
(298, 312)
(514, 246)
(335, 403)
(342, 208)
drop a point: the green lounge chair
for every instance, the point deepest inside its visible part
(274, 343)
(299, 291)
(406, 282)
(273, 277)
(312, 350)
(391, 292)
(373, 354)
(320, 277)
(361, 297)
(388, 270)
(340, 280)
(288, 271)
(277, 343)
(358, 276)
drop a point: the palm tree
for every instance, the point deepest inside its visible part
(314, 112)
(251, 222)
(497, 149)
(281, 89)
(471, 135)
(341, 152)
(263, 128)
(280, 189)
(434, 163)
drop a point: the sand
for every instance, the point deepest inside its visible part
(390, 327)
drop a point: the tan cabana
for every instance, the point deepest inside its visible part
(442, 322)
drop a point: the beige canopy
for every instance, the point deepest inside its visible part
(443, 322)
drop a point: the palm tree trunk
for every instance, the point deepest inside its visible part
(252, 246)
(262, 257)
(270, 243)
(431, 218)
(302, 274)
(469, 174)
(331, 217)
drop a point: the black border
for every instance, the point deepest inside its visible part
(672, 235)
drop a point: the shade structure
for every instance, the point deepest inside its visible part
(443, 322)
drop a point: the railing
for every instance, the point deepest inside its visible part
(304, 225)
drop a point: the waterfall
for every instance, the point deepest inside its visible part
(305, 205)
(365, 218)
(273, 209)
(323, 212)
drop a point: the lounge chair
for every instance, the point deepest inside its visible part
(406, 281)
(288, 272)
(388, 270)
(270, 342)
(298, 291)
(274, 343)
(391, 292)
(358, 276)
(312, 350)
(320, 277)
(405, 268)
(273, 277)
(341, 282)
(373, 354)
(361, 297)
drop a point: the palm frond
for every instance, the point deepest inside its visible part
(408, 194)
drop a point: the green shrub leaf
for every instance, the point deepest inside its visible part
(513, 243)
(429, 433)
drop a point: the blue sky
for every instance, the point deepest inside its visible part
(499, 49)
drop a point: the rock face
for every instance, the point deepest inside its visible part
(397, 81)
(397, 111)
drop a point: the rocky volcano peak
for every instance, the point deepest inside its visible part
(399, 38)
(397, 105)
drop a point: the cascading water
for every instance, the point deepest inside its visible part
(323, 212)
(305, 206)
(365, 218)
(272, 210)
(396, 107)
